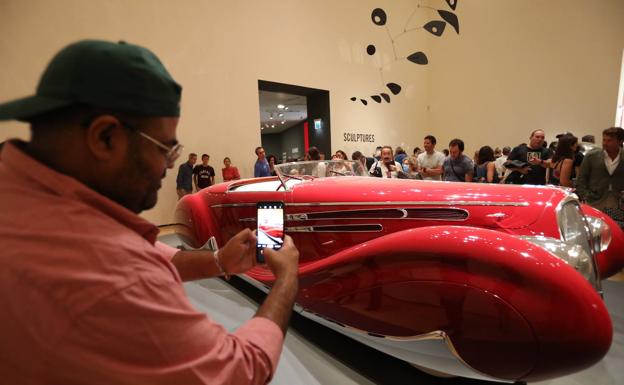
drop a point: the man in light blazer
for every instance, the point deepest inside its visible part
(601, 179)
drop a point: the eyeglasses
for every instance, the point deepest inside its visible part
(172, 153)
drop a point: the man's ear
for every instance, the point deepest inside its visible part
(106, 138)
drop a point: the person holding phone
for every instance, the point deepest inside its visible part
(386, 166)
(535, 155)
(88, 294)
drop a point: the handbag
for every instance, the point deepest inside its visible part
(453, 169)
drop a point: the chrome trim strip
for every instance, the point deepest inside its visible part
(305, 216)
(412, 203)
(234, 205)
(297, 217)
(336, 228)
(308, 215)
(386, 203)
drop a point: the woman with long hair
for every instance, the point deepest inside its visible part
(486, 168)
(272, 159)
(341, 154)
(563, 161)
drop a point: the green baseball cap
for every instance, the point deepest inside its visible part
(119, 76)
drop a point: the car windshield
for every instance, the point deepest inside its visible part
(319, 169)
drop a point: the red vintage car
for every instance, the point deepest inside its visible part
(494, 282)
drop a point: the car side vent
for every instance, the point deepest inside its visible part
(359, 214)
(439, 214)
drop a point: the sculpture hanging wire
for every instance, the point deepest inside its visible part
(434, 27)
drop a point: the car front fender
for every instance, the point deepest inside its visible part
(511, 309)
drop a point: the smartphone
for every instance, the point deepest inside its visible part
(270, 222)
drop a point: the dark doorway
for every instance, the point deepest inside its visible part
(292, 119)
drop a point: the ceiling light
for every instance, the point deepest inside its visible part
(272, 125)
(286, 108)
(281, 106)
(271, 117)
(283, 121)
(280, 115)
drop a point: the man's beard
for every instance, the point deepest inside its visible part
(131, 190)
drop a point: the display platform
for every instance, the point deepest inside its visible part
(314, 354)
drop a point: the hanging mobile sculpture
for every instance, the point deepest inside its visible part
(435, 27)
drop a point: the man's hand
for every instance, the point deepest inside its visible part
(285, 261)
(535, 161)
(279, 302)
(239, 254)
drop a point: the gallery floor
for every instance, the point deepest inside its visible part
(314, 354)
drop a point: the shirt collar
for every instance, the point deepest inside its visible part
(34, 173)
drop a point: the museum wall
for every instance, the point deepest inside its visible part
(514, 66)
(521, 65)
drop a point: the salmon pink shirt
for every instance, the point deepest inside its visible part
(230, 173)
(88, 296)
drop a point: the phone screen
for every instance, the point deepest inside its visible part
(270, 220)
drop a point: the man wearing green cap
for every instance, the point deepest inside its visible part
(88, 296)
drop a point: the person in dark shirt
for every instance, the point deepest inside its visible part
(457, 166)
(203, 175)
(184, 181)
(535, 155)
(563, 161)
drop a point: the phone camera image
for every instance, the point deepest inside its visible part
(270, 220)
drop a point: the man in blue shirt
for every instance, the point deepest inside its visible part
(184, 181)
(261, 168)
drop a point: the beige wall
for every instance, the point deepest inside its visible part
(493, 83)
(522, 65)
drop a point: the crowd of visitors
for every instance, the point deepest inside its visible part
(599, 179)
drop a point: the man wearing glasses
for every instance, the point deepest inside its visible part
(87, 293)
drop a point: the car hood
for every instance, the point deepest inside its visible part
(489, 205)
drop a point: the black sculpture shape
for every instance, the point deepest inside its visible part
(386, 97)
(450, 18)
(371, 49)
(376, 98)
(418, 58)
(353, 99)
(394, 88)
(379, 16)
(452, 4)
(364, 102)
(436, 27)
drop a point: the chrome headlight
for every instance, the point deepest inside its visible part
(573, 227)
(600, 232)
(573, 255)
(576, 234)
